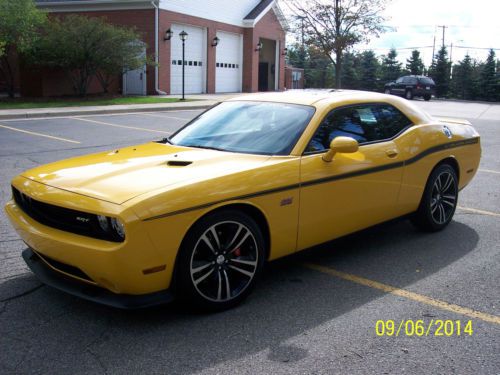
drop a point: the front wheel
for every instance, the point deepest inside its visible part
(409, 94)
(220, 261)
(439, 200)
(387, 91)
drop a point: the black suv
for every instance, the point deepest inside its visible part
(410, 86)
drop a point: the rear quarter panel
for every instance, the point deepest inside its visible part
(425, 146)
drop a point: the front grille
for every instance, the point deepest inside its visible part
(65, 219)
(66, 268)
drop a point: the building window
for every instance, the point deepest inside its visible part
(173, 62)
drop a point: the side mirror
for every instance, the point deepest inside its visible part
(345, 145)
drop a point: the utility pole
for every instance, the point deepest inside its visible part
(444, 28)
(303, 49)
(434, 47)
(301, 18)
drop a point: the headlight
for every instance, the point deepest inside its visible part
(103, 222)
(112, 228)
(118, 227)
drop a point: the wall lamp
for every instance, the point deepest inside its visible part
(285, 50)
(168, 34)
(215, 41)
(259, 46)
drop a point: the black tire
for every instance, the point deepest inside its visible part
(219, 261)
(439, 200)
(409, 94)
(427, 98)
(387, 91)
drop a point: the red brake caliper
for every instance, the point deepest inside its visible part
(237, 252)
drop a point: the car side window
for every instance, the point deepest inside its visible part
(365, 123)
(400, 80)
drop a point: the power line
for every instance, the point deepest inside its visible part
(423, 47)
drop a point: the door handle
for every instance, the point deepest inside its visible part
(391, 153)
(141, 77)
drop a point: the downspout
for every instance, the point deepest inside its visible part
(157, 48)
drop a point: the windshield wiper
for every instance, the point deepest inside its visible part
(205, 147)
(165, 140)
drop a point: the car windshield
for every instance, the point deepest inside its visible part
(249, 127)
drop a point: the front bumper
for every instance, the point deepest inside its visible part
(120, 267)
(89, 292)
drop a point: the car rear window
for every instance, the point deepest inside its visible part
(427, 81)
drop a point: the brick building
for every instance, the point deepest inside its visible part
(232, 46)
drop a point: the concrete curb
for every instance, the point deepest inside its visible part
(81, 111)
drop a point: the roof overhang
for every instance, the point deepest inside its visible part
(94, 5)
(251, 22)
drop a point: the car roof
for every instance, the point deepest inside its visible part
(320, 98)
(310, 97)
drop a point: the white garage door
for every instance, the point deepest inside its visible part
(228, 65)
(194, 61)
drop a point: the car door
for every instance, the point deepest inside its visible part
(398, 86)
(355, 190)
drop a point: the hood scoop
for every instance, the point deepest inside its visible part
(178, 163)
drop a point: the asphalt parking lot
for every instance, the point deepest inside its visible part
(312, 313)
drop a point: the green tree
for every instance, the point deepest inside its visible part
(390, 67)
(415, 65)
(333, 26)
(488, 78)
(369, 71)
(351, 71)
(20, 22)
(319, 72)
(440, 72)
(89, 47)
(497, 89)
(463, 79)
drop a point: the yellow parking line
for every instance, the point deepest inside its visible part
(39, 134)
(121, 126)
(481, 212)
(407, 294)
(155, 115)
(489, 171)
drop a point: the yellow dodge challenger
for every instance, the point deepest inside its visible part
(195, 216)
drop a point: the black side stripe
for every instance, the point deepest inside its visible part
(247, 196)
(380, 168)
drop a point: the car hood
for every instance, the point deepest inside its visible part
(120, 175)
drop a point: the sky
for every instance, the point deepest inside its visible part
(469, 24)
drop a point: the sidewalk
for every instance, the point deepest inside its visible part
(202, 101)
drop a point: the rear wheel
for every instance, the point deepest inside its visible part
(409, 94)
(439, 200)
(220, 261)
(427, 97)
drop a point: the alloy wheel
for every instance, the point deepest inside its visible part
(224, 261)
(443, 197)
